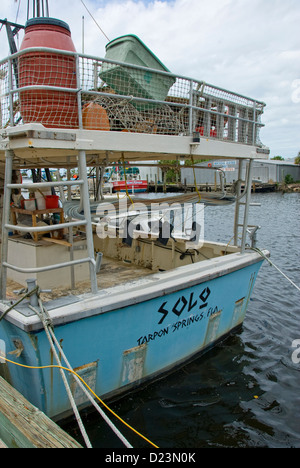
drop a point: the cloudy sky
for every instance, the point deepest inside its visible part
(248, 46)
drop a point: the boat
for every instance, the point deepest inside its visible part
(127, 179)
(134, 186)
(128, 294)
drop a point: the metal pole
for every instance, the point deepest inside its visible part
(237, 205)
(38, 6)
(191, 127)
(71, 236)
(84, 193)
(9, 155)
(83, 34)
(80, 124)
(55, 266)
(247, 204)
(52, 227)
(41, 185)
(254, 125)
(11, 96)
(87, 214)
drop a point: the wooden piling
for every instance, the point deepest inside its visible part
(22, 425)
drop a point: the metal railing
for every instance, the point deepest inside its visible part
(66, 90)
(6, 226)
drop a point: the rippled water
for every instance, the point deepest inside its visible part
(245, 392)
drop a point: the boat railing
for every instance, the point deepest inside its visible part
(100, 94)
(85, 220)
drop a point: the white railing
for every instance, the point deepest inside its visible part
(66, 90)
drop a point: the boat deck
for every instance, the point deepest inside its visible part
(127, 266)
(113, 272)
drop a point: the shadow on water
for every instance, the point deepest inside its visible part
(206, 403)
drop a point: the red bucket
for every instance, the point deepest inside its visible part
(51, 201)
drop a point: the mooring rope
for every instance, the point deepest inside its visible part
(48, 327)
(125, 178)
(96, 406)
(27, 294)
(276, 267)
(79, 377)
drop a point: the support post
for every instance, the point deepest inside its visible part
(9, 155)
(191, 110)
(87, 214)
(237, 205)
(247, 204)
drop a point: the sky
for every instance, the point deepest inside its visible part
(251, 47)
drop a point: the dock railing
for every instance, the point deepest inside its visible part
(69, 90)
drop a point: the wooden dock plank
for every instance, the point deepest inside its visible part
(22, 425)
(2, 444)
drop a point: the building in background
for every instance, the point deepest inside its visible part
(264, 172)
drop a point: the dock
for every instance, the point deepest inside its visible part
(183, 187)
(2, 444)
(22, 425)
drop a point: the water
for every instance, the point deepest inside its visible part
(245, 392)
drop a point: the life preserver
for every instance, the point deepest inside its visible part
(209, 165)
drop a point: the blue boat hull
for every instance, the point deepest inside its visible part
(116, 347)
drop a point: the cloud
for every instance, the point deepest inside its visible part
(247, 46)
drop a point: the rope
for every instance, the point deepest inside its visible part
(71, 208)
(94, 19)
(276, 267)
(47, 324)
(18, 10)
(125, 178)
(67, 387)
(96, 396)
(96, 406)
(28, 294)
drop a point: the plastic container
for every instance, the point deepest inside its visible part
(133, 82)
(41, 203)
(94, 117)
(53, 109)
(30, 204)
(51, 201)
(40, 199)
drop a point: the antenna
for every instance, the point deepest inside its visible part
(40, 8)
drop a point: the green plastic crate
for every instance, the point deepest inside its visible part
(132, 82)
